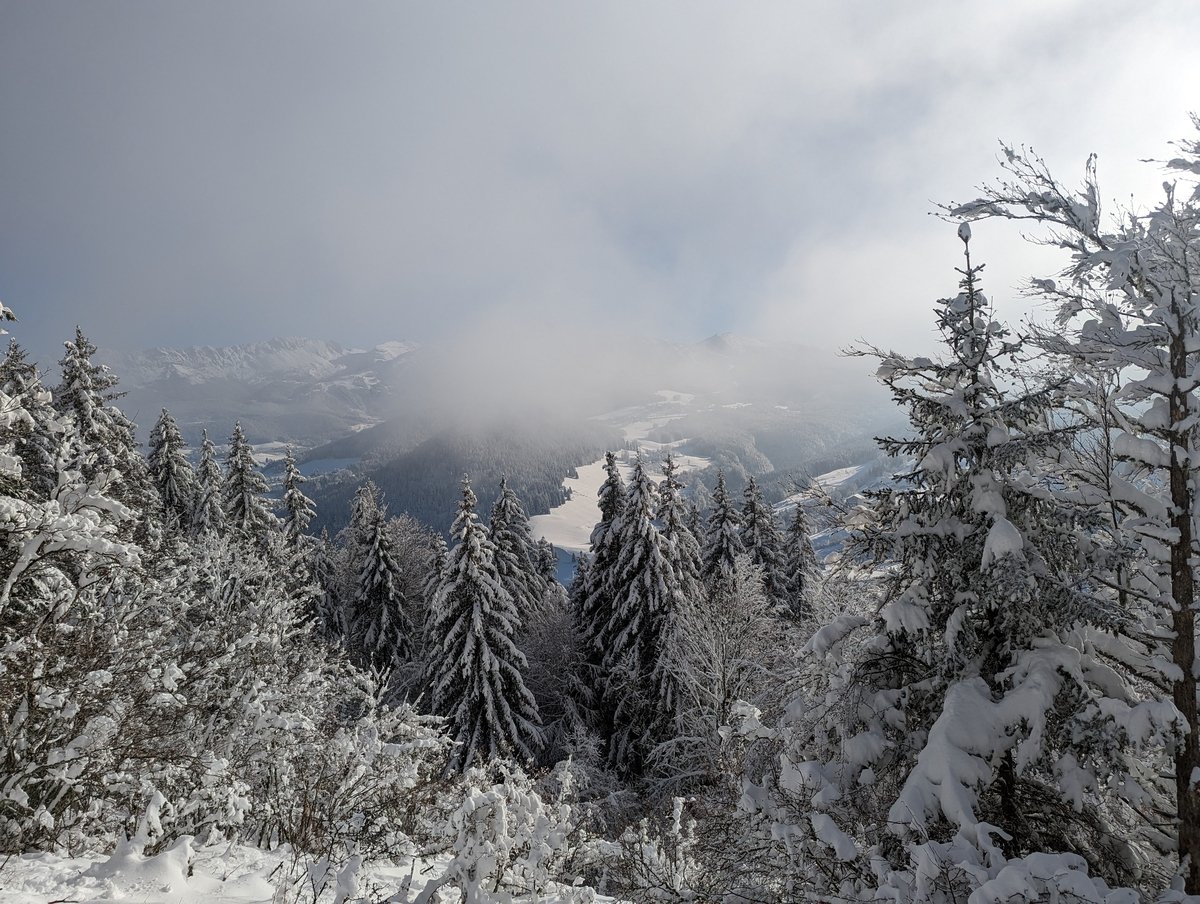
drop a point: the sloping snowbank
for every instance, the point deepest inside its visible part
(186, 873)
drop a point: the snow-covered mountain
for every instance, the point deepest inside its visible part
(416, 419)
(302, 391)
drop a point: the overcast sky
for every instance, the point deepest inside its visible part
(223, 172)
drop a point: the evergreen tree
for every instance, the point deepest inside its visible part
(37, 437)
(475, 666)
(722, 539)
(208, 516)
(516, 552)
(104, 437)
(329, 614)
(673, 668)
(171, 473)
(547, 562)
(647, 601)
(1126, 310)
(801, 568)
(438, 566)
(383, 621)
(244, 490)
(594, 603)
(299, 508)
(760, 539)
(983, 586)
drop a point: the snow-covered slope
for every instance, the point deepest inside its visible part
(289, 358)
(296, 391)
(188, 873)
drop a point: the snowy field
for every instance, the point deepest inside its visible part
(569, 526)
(228, 874)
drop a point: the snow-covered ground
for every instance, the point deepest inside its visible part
(221, 874)
(569, 526)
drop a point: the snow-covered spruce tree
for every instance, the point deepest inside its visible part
(592, 591)
(244, 490)
(1127, 302)
(329, 615)
(672, 668)
(55, 542)
(516, 552)
(971, 726)
(381, 618)
(171, 473)
(105, 442)
(722, 536)
(647, 600)
(760, 538)
(547, 561)
(299, 508)
(801, 569)
(208, 516)
(38, 437)
(475, 668)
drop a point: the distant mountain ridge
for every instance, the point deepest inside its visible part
(301, 391)
(288, 357)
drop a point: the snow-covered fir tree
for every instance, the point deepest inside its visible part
(517, 555)
(801, 570)
(38, 437)
(244, 490)
(208, 515)
(673, 517)
(722, 536)
(547, 562)
(971, 719)
(647, 601)
(299, 508)
(1127, 321)
(329, 615)
(760, 539)
(592, 593)
(104, 436)
(171, 473)
(382, 625)
(475, 668)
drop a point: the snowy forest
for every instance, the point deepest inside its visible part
(988, 693)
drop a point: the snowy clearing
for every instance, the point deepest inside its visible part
(186, 873)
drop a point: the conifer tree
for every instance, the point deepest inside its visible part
(329, 614)
(105, 436)
(244, 490)
(38, 437)
(383, 620)
(722, 538)
(547, 561)
(1126, 308)
(299, 508)
(594, 603)
(983, 593)
(516, 552)
(647, 602)
(683, 551)
(801, 568)
(171, 473)
(438, 566)
(760, 539)
(476, 669)
(208, 516)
